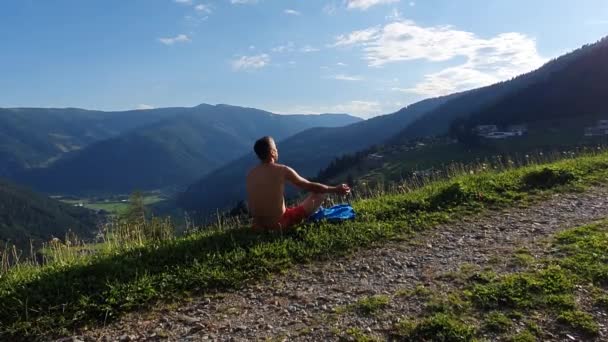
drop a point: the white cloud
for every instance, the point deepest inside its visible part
(243, 2)
(144, 106)
(357, 37)
(330, 9)
(251, 62)
(395, 15)
(180, 38)
(185, 2)
(487, 61)
(291, 12)
(340, 64)
(309, 48)
(366, 4)
(342, 77)
(203, 8)
(289, 47)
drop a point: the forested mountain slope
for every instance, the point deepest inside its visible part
(171, 152)
(25, 216)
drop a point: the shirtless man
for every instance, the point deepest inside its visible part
(265, 187)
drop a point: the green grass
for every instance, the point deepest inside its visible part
(497, 322)
(438, 327)
(113, 207)
(542, 293)
(371, 305)
(93, 289)
(579, 320)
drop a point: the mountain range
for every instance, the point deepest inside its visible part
(565, 82)
(100, 153)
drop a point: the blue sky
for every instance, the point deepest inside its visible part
(365, 57)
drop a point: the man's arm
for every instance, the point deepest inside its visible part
(303, 183)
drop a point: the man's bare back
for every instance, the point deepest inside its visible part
(266, 186)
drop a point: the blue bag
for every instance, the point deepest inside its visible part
(337, 213)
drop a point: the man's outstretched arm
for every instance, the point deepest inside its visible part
(303, 183)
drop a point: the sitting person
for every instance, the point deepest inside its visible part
(265, 187)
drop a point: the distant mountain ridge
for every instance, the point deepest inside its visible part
(35, 137)
(175, 149)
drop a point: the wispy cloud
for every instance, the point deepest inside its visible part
(251, 62)
(486, 60)
(243, 2)
(180, 38)
(288, 47)
(291, 12)
(342, 77)
(144, 106)
(203, 8)
(357, 37)
(309, 48)
(330, 9)
(366, 4)
(185, 2)
(395, 15)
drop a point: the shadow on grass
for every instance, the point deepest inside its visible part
(66, 297)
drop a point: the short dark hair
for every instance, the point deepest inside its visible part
(262, 147)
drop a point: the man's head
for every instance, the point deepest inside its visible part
(266, 149)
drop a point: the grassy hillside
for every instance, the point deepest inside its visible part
(25, 216)
(401, 161)
(134, 273)
(170, 152)
(308, 152)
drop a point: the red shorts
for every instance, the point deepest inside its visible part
(292, 216)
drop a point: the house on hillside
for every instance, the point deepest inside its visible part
(601, 128)
(519, 130)
(374, 160)
(483, 130)
(500, 135)
(492, 132)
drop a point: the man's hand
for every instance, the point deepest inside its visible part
(342, 189)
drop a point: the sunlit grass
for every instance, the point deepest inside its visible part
(140, 263)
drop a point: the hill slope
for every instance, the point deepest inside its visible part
(577, 94)
(35, 137)
(534, 83)
(308, 152)
(25, 216)
(170, 152)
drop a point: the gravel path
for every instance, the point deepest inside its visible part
(301, 304)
